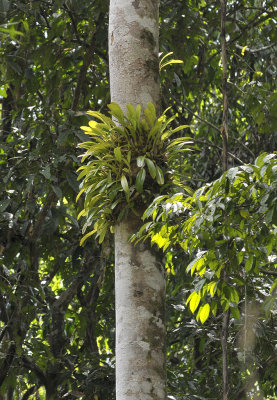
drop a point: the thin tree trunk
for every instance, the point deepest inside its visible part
(224, 132)
(140, 322)
(139, 278)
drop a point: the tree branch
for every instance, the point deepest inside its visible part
(69, 12)
(48, 202)
(29, 392)
(57, 339)
(247, 49)
(83, 71)
(6, 364)
(264, 271)
(202, 119)
(30, 364)
(209, 143)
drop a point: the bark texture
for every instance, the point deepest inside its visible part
(133, 52)
(140, 319)
(139, 279)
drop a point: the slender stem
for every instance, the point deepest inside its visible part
(224, 345)
(224, 133)
(224, 127)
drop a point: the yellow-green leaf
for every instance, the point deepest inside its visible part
(204, 313)
(125, 186)
(150, 114)
(117, 153)
(106, 120)
(243, 50)
(212, 288)
(82, 213)
(138, 112)
(131, 114)
(244, 213)
(194, 301)
(117, 112)
(86, 236)
(171, 62)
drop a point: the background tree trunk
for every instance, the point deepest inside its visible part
(139, 278)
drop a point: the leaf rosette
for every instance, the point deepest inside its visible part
(127, 159)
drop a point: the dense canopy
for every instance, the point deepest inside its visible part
(57, 297)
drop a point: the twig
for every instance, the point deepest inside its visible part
(201, 119)
(264, 271)
(208, 143)
(252, 23)
(244, 146)
(247, 49)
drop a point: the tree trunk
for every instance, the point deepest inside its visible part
(133, 52)
(139, 277)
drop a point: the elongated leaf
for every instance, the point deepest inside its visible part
(86, 236)
(117, 112)
(160, 177)
(129, 155)
(140, 161)
(151, 167)
(82, 213)
(125, 186)
(131, 114)
(108, 121)
(155, 132)
(144, 125)
(171, 62)
(138, 113)
(86, 128)
(150, 114)
(165, 56)
(140, 180)
(180, 141)
(249, 263)
(194, 301)
(117, 153)
(152, 110)
(170, 132)
(93, 124)
(204, 313)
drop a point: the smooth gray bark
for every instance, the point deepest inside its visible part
(139, 277)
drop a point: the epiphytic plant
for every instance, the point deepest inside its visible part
(127, 164)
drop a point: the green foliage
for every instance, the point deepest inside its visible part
(128, 159)
(51, 73)
(229, 224)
